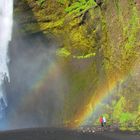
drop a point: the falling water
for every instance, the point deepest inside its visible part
(6, 21)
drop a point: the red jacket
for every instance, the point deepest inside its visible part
(101, 120)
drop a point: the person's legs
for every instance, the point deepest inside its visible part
(102, 124)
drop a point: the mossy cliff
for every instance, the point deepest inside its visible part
(99, 43)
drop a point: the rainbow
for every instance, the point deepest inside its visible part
(40, 85)
(81, 118)
(104, 90)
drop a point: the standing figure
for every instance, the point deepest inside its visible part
(101, 121)
(104, 121)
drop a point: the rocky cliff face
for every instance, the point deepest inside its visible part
(98, 49)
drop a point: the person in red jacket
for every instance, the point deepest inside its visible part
(101, 121)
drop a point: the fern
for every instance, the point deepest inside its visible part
(80, 6)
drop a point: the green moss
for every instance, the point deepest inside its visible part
(63, 52)
(80, 5)
(130, 31)
(81, 43)
(118, 108)
(85, 56)
(51, 25)
(116, 2)
(62, 1)
(40, 2)
(126, 117)
(80, 88)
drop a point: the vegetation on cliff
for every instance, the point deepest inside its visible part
(103, 40)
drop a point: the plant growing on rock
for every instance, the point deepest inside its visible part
(80, 6)
(40, 2)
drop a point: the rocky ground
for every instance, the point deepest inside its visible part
(64, 134)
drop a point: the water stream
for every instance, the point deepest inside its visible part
(6, 22)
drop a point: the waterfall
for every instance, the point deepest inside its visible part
(6, 21)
